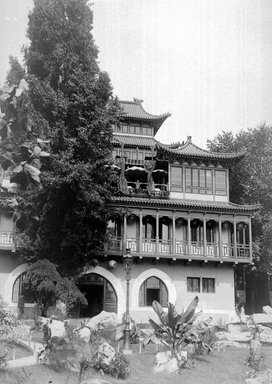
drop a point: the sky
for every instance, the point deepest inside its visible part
(207, 62)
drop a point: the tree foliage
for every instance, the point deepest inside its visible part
(251, 182)
(46, 283)
(16, 72)
(69, 105)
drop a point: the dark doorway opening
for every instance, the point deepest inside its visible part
(94, 295)
(151, 295)
(99, 293)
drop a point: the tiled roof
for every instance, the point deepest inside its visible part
(133, 110)
(186, 204)
(134, 141)
(189, 150)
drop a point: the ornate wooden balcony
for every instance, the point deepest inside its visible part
(140, 190)
(157, 248)
(6, 240)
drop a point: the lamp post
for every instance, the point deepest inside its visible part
(127, 264)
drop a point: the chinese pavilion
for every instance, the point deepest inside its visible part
(185, 237)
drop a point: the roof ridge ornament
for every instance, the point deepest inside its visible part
(138, 101)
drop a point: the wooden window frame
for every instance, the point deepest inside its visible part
(194, 185)
(175, 187)
(212, 279)
(190, 279)
(163, 293)
(221, 191)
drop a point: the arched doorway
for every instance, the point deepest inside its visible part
(100, 294)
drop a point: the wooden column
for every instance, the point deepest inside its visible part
(141, 234)
(125, 234)
(250, 238)
(157, 232)
(174, 233)
(220, 237)
(204, 236)
(234, 238)
(189, 236)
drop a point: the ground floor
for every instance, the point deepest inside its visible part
(105, 287)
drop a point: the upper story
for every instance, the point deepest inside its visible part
(6, 222)
(176, 171)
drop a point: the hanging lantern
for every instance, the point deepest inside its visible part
(131, 218)
(112, 264)
(240, 226)
(180, 221)
(94, 263)
(225, 226)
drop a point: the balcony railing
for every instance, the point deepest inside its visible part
(6, 240)
(180, 249)
(140, 189)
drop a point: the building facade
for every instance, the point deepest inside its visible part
(185, 236)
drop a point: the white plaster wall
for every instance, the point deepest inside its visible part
(8, 263)
(6, 223)
(219, 304)
(10, 280)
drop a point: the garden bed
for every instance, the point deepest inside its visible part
(16, 350)
(220, 367)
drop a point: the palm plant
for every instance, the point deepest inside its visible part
(178, 330)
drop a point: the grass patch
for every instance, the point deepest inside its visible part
(17, 349)
(220, 367)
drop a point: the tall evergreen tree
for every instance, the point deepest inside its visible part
(16, 72)
(71, 105)
(251, 182)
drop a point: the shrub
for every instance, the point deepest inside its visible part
(68, 293)
(4, 358)
(11, 329)
(44, 279)
(119, 366)
(78, 354)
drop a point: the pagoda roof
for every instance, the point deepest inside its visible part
(189, 151)
(211, 206)
(130, 141)
(134, 111)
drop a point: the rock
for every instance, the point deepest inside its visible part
(55, 313)
(57, 329)
(262, 318)
(170, 366)
(119, 332)
(61, 307)
(162, 357)
(84, 333)
(263, 377)
(103, 320)
(267, 310)
(236, 327)
(265, 334)
(239, 337)
(106, 353)
(228, 344)
(95, 381)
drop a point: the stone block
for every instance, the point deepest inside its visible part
(267, 310)
(262, 318)
(103, 320)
